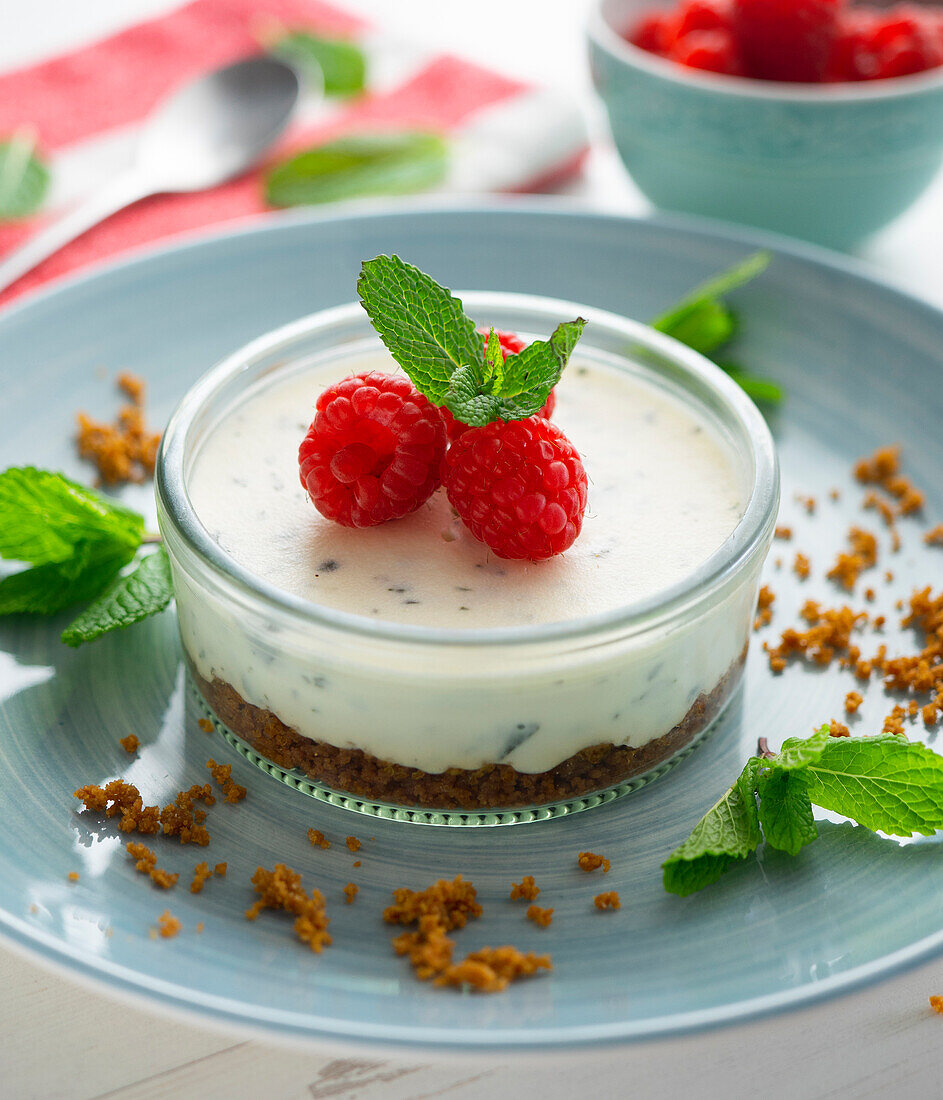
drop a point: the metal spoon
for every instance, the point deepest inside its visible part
(205, 133)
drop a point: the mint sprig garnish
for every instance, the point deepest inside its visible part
(127, 600)
(726, 834)
(24, 178)
(706, 323)
(358, 165)
(785, 810)
(885, 783)
(336, 64)
(44, 516)
(75, 543)
(428, 333)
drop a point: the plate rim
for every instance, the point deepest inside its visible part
(305, 1028)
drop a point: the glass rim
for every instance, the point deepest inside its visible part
(732, 556)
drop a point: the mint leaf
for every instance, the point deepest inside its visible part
(338, 64)
(727, 833)
(762, 390)
(466, 402)
(75, 539)
(44, 516)
(423, 326)
(706, 323)
(50, 588)
(494, 372)
(359, 165)
(525, 383)
(886, 783)
(530, 375)
(141, 593)
(798, 752)
(428, 334)
(785, 810)
(716, 287)
(24, 179)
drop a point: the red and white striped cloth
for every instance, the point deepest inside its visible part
(85, 106)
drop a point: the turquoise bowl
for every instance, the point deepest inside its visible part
(828, 163)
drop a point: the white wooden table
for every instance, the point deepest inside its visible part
(60, 1039)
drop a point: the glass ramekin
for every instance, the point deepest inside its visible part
(327, 700)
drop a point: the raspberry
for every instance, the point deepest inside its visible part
(850, 59)
(374, 450)
(511, 345)
(519, 486)
(654, 32)
(904, 41)
(714, 51)
(786, 39)
(703, 15)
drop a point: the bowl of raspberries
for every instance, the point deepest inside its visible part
(822, 119)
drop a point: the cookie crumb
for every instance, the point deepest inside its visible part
(809, 503)
(318, 839)
(543, 917)
(205, 725)
(177, 818)
(351, 890)
(853, 701)
(894, 722)
(801, 566)
(764, 607)
(222, 774)
(936, 1003)
(220, 869)
(199, 926)
(874, 502)
(883, 469)
(934, 537)
(200, 874)
(125, 450)
(492, 969)
(877, 468)
(451, 902)
(353, 843)
(281, 889)
(838, 729)
(130, 744)
(73, 876)
(146, 864)
(357, 863)
(829, 634)
(784, 533)
(608, 900)
(589, 861)
(526, 889)
(440, 908)
(862, 554)
(168, 924)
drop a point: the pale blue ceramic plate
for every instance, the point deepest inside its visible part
(862, 366)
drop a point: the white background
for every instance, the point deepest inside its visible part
(60, 1039)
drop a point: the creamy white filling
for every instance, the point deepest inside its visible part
(665, 491)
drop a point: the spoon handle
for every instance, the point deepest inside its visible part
(121, 192)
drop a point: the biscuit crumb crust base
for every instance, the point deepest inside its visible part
(490, 787)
